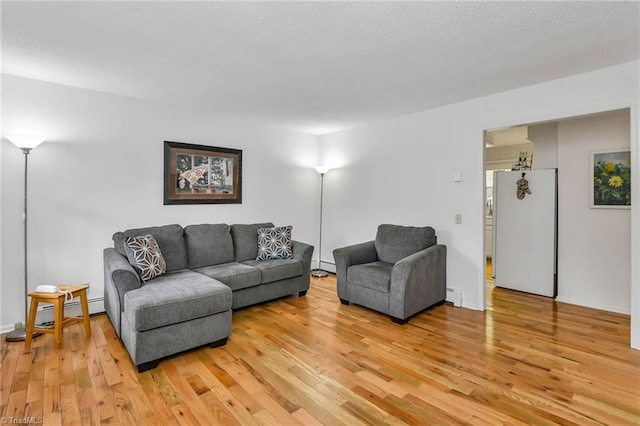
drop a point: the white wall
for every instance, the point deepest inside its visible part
(401, 170)
(545, 145)
(101, 170)
(594, 267)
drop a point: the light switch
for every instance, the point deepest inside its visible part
(458, 218)
(457, 177)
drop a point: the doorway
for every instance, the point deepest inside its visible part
(504, 148)
(594, 244)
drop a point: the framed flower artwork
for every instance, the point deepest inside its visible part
(611, 179)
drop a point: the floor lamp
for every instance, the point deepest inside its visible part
(319, 272)
(26, 144)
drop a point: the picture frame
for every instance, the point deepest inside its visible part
(611, 179)
(201, 174)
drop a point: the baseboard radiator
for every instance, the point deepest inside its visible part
(71, 309)
(454, 295)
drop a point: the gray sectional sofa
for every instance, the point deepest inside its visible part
(211, 269)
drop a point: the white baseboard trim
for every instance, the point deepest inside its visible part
(327, 266)
(6, 328)
(602, 307)
(71, 309)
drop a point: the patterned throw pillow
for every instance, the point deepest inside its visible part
(274, 243)
(144, 255)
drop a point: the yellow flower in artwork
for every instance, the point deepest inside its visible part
(608, 166)
(598, 181)
(615, 181)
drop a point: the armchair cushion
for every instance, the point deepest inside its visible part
(374, 275)
(394, 242)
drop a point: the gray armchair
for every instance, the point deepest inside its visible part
(399, 274)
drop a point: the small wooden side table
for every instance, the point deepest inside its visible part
(60, 320)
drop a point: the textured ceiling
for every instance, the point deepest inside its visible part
(313, 66)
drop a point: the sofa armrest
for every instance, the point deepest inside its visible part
(352, 255)
(119, 278)
(418, 281)
(302, 252)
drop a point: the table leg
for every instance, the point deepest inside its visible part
(33, 310)
(59, 314)
(85, 313)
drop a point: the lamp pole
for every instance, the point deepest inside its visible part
(26, 144)
(319, 272)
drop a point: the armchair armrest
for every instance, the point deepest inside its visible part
(352, 255)
(119, 278)
(418, 282)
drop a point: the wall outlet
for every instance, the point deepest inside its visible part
(458, 218)
(18, 325)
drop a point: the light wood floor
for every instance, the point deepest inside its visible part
(310, 361)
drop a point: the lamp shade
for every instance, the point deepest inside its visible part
(28, 142)
(322, 169)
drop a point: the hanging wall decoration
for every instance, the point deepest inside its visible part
(200, 174)
(523, 187)
(611, 179)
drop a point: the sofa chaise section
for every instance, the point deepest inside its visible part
(175, 312)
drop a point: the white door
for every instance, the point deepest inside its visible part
(524, 248)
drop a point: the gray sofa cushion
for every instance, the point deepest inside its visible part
(235, 275)
(174, 298)
(245, 240)
(277, 269)
(374, 275)
(170, 238)
(208, 245)
(394, 242)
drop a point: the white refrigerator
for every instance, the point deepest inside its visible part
(525, 231)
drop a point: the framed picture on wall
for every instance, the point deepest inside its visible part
(611, 179)
(201, 174)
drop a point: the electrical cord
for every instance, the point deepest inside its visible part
(68, 296)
